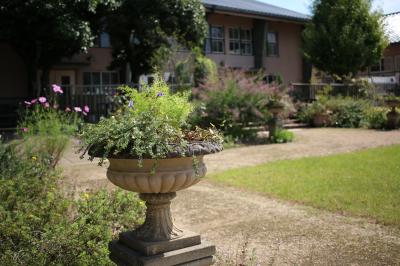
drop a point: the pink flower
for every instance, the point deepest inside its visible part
(25, 129)
(77, 109)
(67, 109)
(42, 99)
(33, 101)
(46, 105)
(55, 106)
(86, 109)
(27, 103)
(84, 113)
(57, 89)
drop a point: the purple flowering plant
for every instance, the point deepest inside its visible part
(42, 116)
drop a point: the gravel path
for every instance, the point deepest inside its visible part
(251, 229)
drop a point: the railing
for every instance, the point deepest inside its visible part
(99, 98)
(307, 92)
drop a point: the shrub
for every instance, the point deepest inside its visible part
(45, 128)
(236, 103)
(204, 69)
(376, 118)
(39, 226)
(347, 112)
(183, 76)
(283, 136)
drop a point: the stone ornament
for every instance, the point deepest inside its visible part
(158, 241)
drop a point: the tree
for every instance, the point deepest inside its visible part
(344, 36)
(140, 28)
(45, 31)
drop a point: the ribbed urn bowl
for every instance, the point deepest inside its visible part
(167, 175)
(156, 176)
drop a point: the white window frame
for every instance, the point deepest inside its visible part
(234, 41)
(246, 41)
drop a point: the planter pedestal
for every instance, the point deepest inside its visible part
(392, 119)
(158, 241)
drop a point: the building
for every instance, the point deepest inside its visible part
(389, 66)
(243, 34)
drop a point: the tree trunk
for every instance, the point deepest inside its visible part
(134, 74)
(32, 79)
(44, 80)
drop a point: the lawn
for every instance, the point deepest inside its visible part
(365, 183)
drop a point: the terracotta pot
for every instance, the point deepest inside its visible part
(321, 120)
(392, 103)
(393, 120)
(276, 109)
(170, 175)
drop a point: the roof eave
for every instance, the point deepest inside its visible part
(249, 12)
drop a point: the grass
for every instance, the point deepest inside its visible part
(364, 183)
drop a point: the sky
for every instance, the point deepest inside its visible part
(303, 6)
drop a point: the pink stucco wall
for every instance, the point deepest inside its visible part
(289, 63)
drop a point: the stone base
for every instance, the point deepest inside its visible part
(147, 248)
(197, 255)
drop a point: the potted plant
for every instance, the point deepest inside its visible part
(392, 116)
(152, 150)
(275, 106)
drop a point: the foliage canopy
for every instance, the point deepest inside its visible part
(344, 36)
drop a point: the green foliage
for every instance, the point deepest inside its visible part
(150, 124)
(45, 128)
(204, 69)
(235, 103)
(39, 226)
(283, 136)
(364, 183)
(140, 28)
(344, 36)
(183, 76)
(376, 118)
(347, 112)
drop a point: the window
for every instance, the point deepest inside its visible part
(378, 67)
(234, 41)
(272, 44)
(246, 42)
(102, 41)
(100, 78)
(240, 41)
(216, 41)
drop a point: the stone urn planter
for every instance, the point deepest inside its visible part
(275, 109)
(393, 116)
(158, 241)
(321, 120)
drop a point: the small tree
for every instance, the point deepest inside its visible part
(140, 28)
(344, 36)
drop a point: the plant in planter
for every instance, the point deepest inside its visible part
(318, 112)
(152, 150)
(275, 106)
(392, 116)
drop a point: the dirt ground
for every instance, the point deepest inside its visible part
(250, 229)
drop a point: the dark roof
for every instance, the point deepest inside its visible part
(392, 27)
(254, 7)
